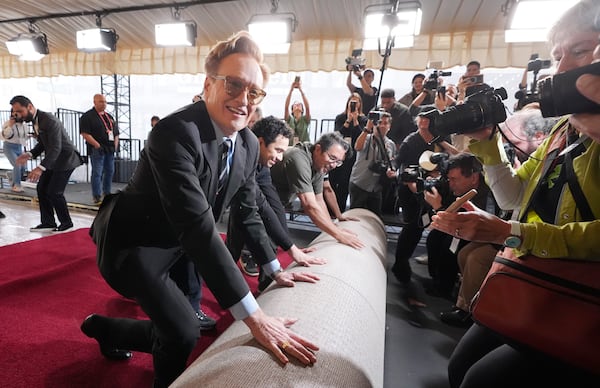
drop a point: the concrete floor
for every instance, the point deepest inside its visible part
(417, 344)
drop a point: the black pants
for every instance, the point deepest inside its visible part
(360, 198)
(442, 263)
(51, 194)
(173, 329)
(481, 359)
(409, 236)
(188, 279)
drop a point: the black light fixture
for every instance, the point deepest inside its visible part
(31, 46)
(97, 39)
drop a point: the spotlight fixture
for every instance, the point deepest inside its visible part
(273, 32)
(402, 22)
(175, 34)
(97, 40)
(31, 46)
(532, 19)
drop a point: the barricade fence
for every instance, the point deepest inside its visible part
(129, 149)
(125, 160)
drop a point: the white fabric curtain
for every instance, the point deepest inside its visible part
(453, 49)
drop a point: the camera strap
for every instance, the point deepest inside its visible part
(550, 161)
(380, 143)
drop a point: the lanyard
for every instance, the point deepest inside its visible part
(106, 121)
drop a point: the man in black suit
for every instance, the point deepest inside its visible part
(53, 172)
(169, 207)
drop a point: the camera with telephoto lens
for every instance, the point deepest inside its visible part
(432, 82)
(559, 96)
(414, 173)
(480, 110)
(355, 62)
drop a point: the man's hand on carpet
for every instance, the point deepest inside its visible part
(300, 256)
(350, 238)
(275, 335)
(288, 279)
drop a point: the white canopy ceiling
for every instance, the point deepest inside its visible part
(453, 31)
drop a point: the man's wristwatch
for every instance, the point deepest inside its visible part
(274, 274)
(514, 240)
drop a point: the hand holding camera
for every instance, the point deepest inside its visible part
(587, 123)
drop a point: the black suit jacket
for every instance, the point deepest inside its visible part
(53, 141)
(168, 202)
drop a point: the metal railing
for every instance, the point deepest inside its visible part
(127, 155)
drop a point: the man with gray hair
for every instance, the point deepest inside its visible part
(301, 174)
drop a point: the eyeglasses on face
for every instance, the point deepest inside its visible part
(235, 86)
(332, 159)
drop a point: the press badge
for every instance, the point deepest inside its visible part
(111, 136)
(425, 220)
(454, 244)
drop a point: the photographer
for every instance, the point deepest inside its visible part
(463, 173)
(298, 118)
(15, 134)
(414, 209)
(350, 125)
(373, 153)
(471, 82)
(417, 89)
(367, 92)
(551, 223)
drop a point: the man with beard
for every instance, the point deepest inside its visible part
(53, 172)
(301, 174)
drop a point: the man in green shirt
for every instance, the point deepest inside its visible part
(301, 174)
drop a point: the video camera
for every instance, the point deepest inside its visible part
(432, 82)
(480, 110)
(558, 95)
(417, 174)
(355, 62)
(525, 97)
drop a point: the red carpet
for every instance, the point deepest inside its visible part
(47, 287)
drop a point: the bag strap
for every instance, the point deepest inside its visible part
(582, 204)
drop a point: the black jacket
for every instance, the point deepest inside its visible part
(168, 202)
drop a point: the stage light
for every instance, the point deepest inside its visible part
(533, 18)
(402, 22)
(175, 34)
(28, 47)
(273, 32)
(97, 40)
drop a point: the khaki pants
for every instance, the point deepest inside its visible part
(474, 261)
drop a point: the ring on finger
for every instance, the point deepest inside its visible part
(284, 345)
(457, 232)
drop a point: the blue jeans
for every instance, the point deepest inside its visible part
(103, 169)
(12, 151)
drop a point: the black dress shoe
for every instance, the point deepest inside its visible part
(90, 328)
(457, 318)
(63, 227)
(206, 322)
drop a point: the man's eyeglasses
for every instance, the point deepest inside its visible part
(334, 160)
(235, 86)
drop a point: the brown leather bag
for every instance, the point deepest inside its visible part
(550, 305)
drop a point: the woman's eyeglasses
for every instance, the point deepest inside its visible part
(235, 86)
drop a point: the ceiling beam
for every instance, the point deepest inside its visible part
(104, 12)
